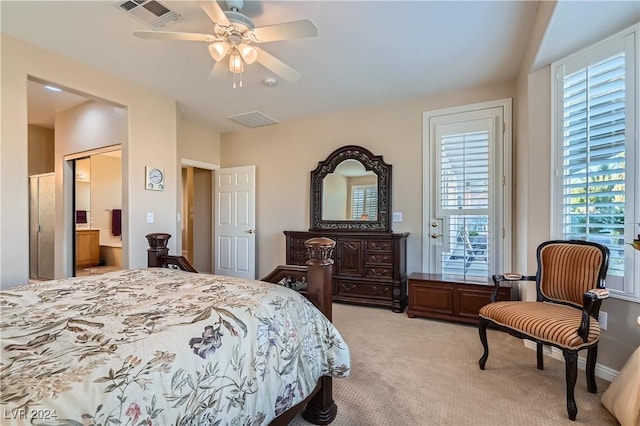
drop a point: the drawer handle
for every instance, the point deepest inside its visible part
(382, 291)
(378, 273)
(348, 288)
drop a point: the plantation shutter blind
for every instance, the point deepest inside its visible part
(463, 193)
(364, 202)
(593, 156)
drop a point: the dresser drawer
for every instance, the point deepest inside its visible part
(298, 244)
(379, 259)
(357, 288)
(378, 272)
(379, 246)
(299, 257)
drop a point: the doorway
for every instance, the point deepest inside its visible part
(467, 193)
(57, 119)
(197, 214)
(97, 212)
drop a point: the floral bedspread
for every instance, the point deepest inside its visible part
(160, 347)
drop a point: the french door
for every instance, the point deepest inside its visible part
(467, 215)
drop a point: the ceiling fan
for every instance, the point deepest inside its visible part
(235, 37)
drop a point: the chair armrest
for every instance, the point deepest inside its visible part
(507, 276)
(599, 293)
(590, 306)
(510, 276)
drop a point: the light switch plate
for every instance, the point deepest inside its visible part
(397, 216)
(150, 217)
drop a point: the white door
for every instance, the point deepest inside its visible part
(235, 222)
(467, 223)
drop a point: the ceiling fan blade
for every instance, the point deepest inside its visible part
(278, 67)
(286, 31)
(168, 35)
(219, 70)
(215, 12)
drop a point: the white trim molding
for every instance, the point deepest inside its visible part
(602, 371)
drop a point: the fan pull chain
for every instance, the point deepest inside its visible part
(239, 82)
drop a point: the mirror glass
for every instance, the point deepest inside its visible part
(350, 193)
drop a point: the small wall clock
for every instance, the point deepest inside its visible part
(154, 178)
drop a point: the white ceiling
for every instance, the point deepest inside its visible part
(366, 52)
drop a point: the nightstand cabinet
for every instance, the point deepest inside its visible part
(369, 267)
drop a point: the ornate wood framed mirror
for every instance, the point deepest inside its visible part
(351, 191)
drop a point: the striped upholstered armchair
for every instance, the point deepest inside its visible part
(570, 286)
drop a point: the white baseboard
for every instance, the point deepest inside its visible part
(602, 371)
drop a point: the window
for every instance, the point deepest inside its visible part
(364, 202)
(595, 97)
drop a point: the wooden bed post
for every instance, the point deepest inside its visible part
(321, 409)
(157, 248)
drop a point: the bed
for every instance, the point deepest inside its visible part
(164, 345)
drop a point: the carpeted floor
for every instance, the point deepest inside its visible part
(422, 372)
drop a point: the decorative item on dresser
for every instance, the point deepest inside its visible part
(351, 204)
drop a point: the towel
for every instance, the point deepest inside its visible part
(81, 216)
(116, 222)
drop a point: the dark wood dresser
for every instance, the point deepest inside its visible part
(370, 267)
(432, 296)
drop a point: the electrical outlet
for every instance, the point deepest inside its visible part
(602, 319)
(150, 217)
(397, 216)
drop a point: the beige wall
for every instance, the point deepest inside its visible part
(198, 146)
(197, 143)
(86, 127)
(150, 140)
(41, 150)
(106, 195)
(285, 154)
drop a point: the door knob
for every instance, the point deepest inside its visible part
(434, 235)
(250, 231)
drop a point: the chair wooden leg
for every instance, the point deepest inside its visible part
(539, 356)
(571, 365)
(482, 329)
(590, 368)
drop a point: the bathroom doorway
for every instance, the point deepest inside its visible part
(98, 212)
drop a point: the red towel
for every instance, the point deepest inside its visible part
(116, 222)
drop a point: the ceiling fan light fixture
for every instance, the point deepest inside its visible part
(236, 65)
(219, 50)
(248, 53)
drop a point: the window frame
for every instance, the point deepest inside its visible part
(628, 41)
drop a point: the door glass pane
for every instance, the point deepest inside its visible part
(464, 200)
(469, 246)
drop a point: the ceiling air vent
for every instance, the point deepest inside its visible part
(151, 12)
(253, 119)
